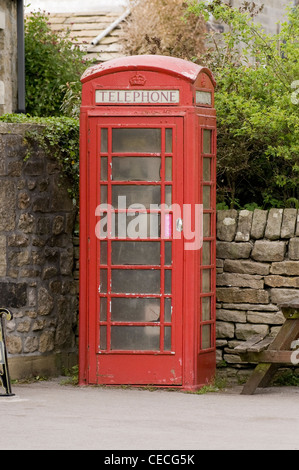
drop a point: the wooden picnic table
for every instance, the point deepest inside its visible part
(271, 352)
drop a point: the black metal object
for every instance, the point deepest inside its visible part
(4, 373)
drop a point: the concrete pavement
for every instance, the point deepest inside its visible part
(51, 416)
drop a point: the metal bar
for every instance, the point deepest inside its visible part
(110, 28)
(21, 57)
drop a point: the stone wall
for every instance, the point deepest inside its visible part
(36, 257)
(257, 270)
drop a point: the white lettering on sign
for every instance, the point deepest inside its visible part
(137, 96)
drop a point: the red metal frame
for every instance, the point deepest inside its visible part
(190, 364)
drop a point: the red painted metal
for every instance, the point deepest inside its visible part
(148, 92)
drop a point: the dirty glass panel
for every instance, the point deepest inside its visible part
(104, 140)
(103, 253)
(127, 253)
(206, 171)
(137, 281)
(139, 225)
(168, 254)
(167, 338)
(103, 337)
(206, 253)
(137, 140)
(103, 309)
(144, 195)
(206, 337)
(167, 287)
(103, 281)
(168, 169)
(136, 168)
(141, 338)
(135, 310)
(207, 141)
(206, 197)
(206, 280)
(207, 225)
(104, 194)
(205, 308)
(168, 140)
(167, 310)
(104, 169)
(168, 195)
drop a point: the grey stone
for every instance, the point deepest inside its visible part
(258, 225)
(252, 307)
(294, 248)
(265, 250)
(238, 295)
(7, 206)
(246, 267)
(276, 318)
(13, 295)
(231, 315)
(226, 224)
(282, 281)
(244, 226)
(45, 302)
(281, 296)
(46, 342)
(225, 330)
(297, 226)
(240, 280)
(290, 268)
(273, 226)
(233, 250)
(245, 331)
(288, 223)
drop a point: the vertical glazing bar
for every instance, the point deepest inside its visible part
(109, 246)
(162, 240)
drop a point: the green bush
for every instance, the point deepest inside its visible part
(52, 63)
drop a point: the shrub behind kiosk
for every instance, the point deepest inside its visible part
(147, 223)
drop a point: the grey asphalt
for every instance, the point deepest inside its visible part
(51, 416)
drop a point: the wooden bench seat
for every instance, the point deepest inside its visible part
(270, 352)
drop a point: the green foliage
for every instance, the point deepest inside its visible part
(258, 116)
(51, 62)
(59, 137)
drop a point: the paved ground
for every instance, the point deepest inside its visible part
(48, 415)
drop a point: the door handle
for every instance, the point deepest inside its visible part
(179, 225)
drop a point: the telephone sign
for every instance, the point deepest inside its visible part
(147, 223)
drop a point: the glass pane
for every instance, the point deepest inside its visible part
(206, 197)
(206, 281)
(104, 194)
(168, 140)
(206, 253)
(204, 97)
(144, 195)
(207, 225)
(168, 169)
(167, 310)
(141, 338)
(135, 310)
(138, 225)
(103, 337)
(207, 141)
(168, 195)
(137, 281)
(167, 338)
(206, 171)
(167, 287)
(104, 169)
(136, 168)
(206, 336)
(103, 253)
(103, 309)
(104, 140)
(205, 308)
(168, 254)
(136, 140)
(103, 281)
(128, 253)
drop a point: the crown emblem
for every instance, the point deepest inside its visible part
(138, 80)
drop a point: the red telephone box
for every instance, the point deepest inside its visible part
(147, 223)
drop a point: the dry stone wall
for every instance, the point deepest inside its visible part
(257, 270)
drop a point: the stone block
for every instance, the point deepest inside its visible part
(252, 307)
(7, 206)
(238, 295)
(282, 281)
(275, 318)
(288, 223)
(273, 226)
(244, 226)
(294, 248)
(45, 302)
(297, 226)
(233, 250)
(290, 268)
(246, 267)
(265, 250)
(225, 330)
(226, 224)
(258, 226)
(231, 315)
(281, 296)
(239, 280)
(245, 331)
(46, 342)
